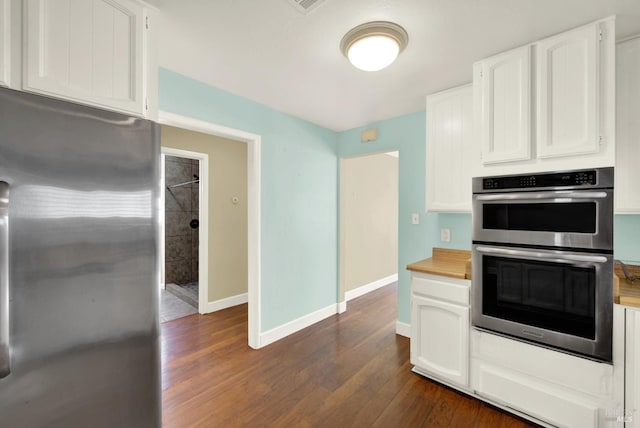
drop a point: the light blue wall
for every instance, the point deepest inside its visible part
(298, 201)
(626, 238)
(416, 242)
(300, 194)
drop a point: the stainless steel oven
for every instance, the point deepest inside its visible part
(543, 259)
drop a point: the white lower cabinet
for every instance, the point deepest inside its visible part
(550, 386)
(632, 370)
(543, 385)
(440, 328)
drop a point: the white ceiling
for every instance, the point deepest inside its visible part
(267, 51)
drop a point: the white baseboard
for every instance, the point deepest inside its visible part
(225, 303)
(403, 329)
(367, 288)
(291, 327)
(342, 307)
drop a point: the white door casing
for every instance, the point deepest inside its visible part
(253, 142)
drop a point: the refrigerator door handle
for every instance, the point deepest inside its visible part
(5, 346)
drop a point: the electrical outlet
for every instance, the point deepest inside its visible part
(445, 235)
(415, 218)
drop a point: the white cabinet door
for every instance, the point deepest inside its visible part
(450, 150)
(567, 93)
(90, 51)
(504, 107)
(632, 372)
(5, 42)
(440, 339)
(568, 124)
(627, 177)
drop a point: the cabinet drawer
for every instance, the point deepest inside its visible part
(442, 288)
(534, 398)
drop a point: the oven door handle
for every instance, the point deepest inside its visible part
(564, 195)
(564, 258)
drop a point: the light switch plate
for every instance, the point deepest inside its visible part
(445, 235)
(415, 218)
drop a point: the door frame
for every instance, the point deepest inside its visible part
(253, 142)
(203, 216)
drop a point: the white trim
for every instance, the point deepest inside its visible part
(368, 288)
(227, 302)
(403, 329)
(161, 211)
(203, 215)
(342, 307)
(253, 200)
(296, 325)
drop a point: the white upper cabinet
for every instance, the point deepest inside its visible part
(89, 51)
(548, 105)
(5, 42)
(567, 93)
(450, 149)
(505, 106)
(628, 127)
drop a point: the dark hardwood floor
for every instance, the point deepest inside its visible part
(350, 370)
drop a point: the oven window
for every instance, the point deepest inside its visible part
(548, 295)
(574, 217)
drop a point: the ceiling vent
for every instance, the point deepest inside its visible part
(305, 6)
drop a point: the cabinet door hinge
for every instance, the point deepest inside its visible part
(146, 22)
(480, 73)
(600, 140)
(600, 34)
(146, 103)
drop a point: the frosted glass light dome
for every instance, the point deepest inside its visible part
(373, 53)
(374, 45)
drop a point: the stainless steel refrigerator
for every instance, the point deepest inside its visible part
(79, 195)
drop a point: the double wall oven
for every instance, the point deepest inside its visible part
(543, 259)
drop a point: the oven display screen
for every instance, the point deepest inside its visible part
(548, 295)
(575, 217)
(578, 178)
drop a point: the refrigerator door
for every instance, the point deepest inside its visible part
(83, 194)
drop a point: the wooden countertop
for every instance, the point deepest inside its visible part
(625, 292)
(446, 262)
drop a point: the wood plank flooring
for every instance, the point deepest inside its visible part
(350, 370)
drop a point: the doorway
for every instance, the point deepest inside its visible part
(182, 273)
(252, 223)
(368, 224)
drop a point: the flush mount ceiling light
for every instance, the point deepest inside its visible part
(374, 45)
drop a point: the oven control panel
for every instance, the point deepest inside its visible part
(558, 179)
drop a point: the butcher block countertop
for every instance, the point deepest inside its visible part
(625, 292)
(446, 262)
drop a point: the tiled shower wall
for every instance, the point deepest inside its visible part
(181, 206)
